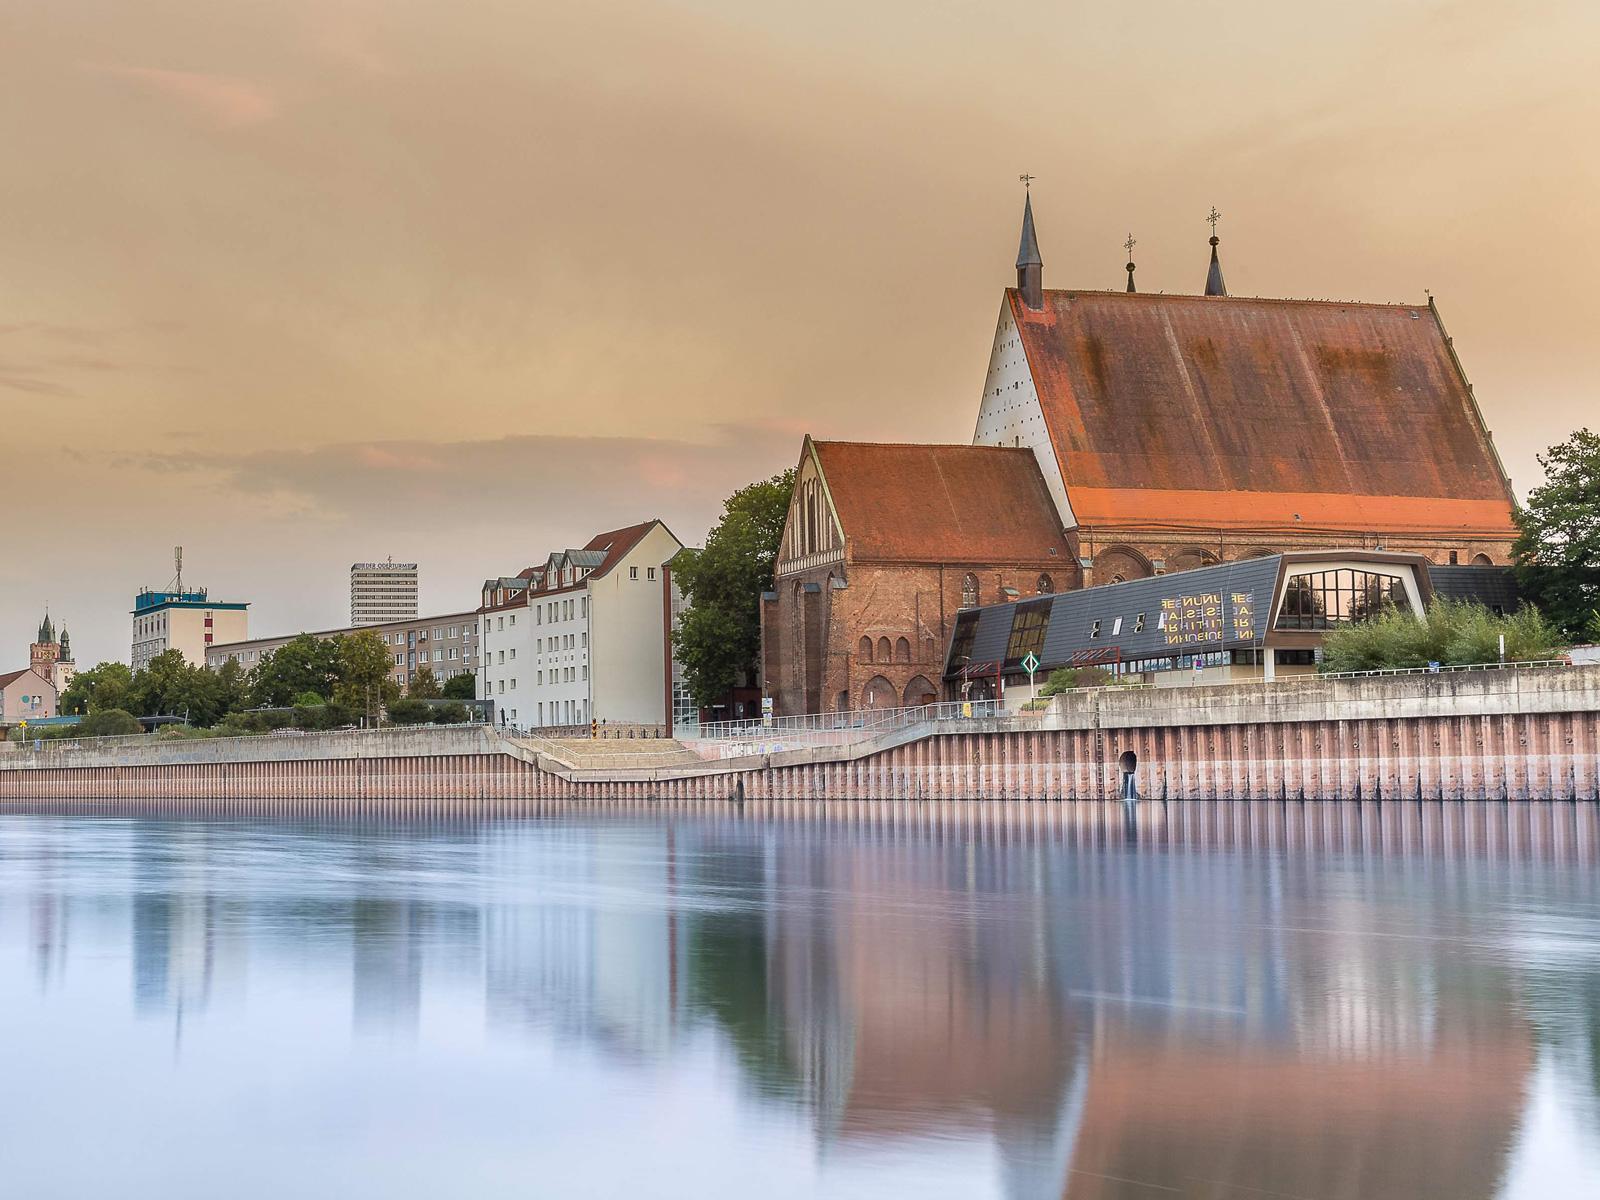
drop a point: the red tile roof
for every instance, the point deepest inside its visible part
(1209, 412)
(11, 677)
(615, 542)
(957, 504)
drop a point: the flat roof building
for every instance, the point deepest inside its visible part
(382, 592)
(447, 645)
(187, 620)
(1257, 618)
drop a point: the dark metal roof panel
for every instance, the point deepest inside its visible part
(1224, 607)
(1492, 587)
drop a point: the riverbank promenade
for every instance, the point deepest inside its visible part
(1515, 734)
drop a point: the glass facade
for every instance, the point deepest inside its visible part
(1027, 630)
(1325, 599)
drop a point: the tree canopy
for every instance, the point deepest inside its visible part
(718, 639)
(1558, 552)
(460, 687)
(306, 664)
(106, 685)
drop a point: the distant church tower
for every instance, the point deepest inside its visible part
(50, 657)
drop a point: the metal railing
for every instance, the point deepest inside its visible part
(855, 722)
(56, 745)
(1526, 665)
(863, 722)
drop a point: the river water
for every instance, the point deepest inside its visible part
(1006, 1000)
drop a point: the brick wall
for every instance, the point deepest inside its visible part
(879, 640)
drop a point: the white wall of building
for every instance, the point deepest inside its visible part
(190, 628)
(595, 649)
(1010, 414)
(629, 651)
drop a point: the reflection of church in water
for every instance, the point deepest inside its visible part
(1205, 1043)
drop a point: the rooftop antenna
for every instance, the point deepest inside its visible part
(177, 561)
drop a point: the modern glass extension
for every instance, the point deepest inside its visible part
(1323, 599)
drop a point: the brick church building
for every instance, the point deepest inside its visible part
(884, 544)
(1168, 432)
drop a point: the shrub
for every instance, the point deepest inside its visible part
(410, 712)
(1064, 679)
(1451, 633)
(454, 713)
(109, 722)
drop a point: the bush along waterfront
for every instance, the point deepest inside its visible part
(1451, 633)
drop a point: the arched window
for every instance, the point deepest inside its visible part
(864, 650)
(1482, 560)
(1118, 579)
(885, 652)
(1046, 586)
(969, 591)
(902, 650)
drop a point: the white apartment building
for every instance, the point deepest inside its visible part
(587, 638)
(381, 593)
(189, 621)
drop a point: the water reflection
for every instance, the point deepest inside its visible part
(976, 1000)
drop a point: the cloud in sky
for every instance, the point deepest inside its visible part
(223, 100)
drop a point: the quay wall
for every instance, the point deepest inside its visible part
(1492, 735)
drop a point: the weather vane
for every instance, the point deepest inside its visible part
(1026, 181)
(1214, 218)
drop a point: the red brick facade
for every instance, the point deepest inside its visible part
(870, 574)
(873, 635)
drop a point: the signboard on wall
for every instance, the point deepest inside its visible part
(1201, 618)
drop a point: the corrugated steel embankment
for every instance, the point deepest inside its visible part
(1513, 735)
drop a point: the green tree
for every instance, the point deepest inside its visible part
(108, 722)
(460, 687)
(362, 673)
(306, 664)
(410, 712)
(169, 686)
(449, 714)
(105, 685)
(424, 685)
(1557, 554)
(718, 639)
(232, 686)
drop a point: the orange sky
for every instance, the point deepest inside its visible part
(310, 281)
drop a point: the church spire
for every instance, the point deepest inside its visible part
(1214, 284)
(66, 645)
(47, 631)
(1030, 267)
(1128, 246)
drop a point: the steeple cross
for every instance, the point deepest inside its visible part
(1129, 245)
(1214, 218)
(1026, 181)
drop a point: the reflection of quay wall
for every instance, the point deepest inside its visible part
(1482, 735)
